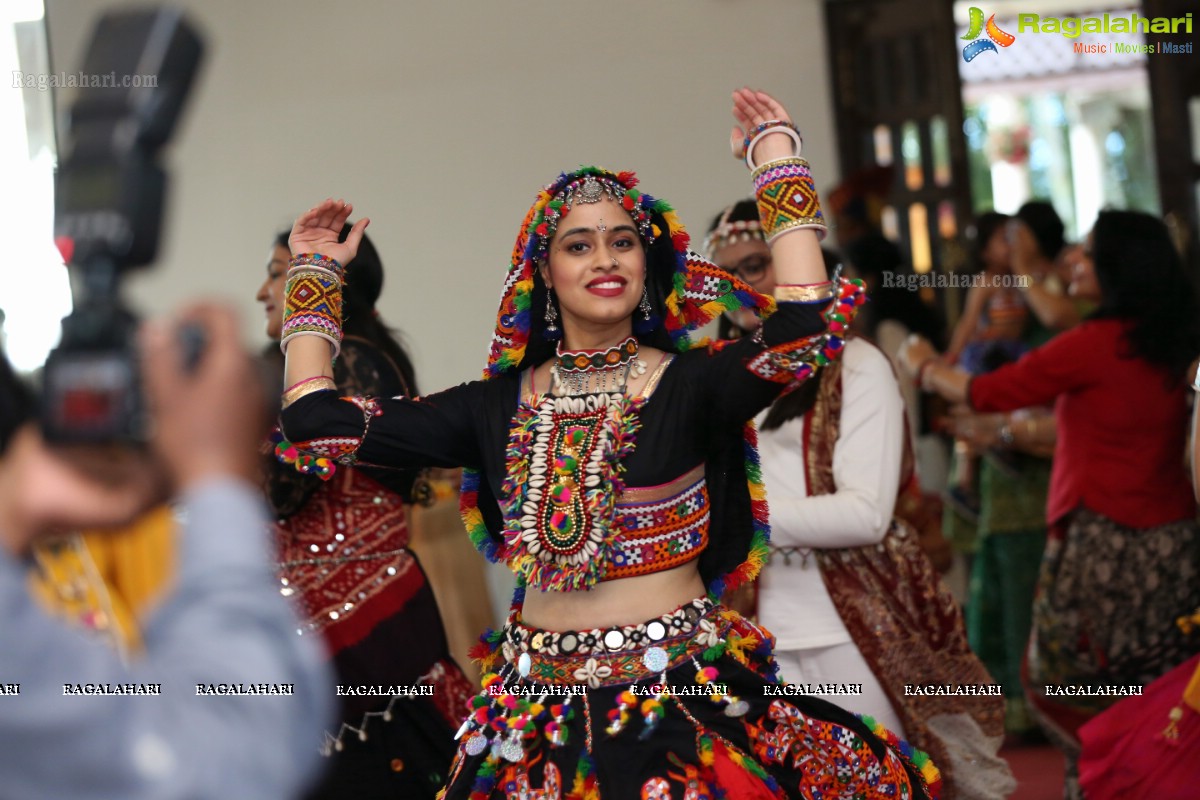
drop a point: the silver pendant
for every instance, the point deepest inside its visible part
(737, 708)
(476, 744)
(512, 751)
(655, 659)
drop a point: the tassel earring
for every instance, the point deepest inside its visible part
(552, 331)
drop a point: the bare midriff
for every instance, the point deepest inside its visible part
(627, 601)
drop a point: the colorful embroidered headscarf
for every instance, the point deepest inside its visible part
(686, 292)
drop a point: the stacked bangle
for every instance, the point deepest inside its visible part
(794, 167)
(319, 383)
(804, 292)
(765, 129)
(787, 198)
(313, 300)
(755, 131)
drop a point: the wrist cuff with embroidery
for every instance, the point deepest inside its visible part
(313, 300)
(787, 198)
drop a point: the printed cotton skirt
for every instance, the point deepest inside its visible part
(683, 706)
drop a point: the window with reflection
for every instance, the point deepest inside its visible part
(36, 294)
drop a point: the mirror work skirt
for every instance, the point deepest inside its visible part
(682, 706)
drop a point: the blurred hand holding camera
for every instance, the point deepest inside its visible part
(46, 490)
(207, 421)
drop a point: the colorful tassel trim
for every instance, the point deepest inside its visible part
(303, 462)
(472, 517)
(741, 777)
(485, 778)
(759, 550)
(918, 758)
(702, 291)
(586, 785)
(486, 652)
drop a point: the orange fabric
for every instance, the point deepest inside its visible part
(108, 580)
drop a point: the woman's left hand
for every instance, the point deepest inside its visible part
(750, 109)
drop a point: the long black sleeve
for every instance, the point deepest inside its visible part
(441, 430)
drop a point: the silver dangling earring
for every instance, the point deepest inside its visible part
(552, 330)
(644, 306)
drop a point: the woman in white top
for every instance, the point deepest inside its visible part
(848, 594)
(813, 644)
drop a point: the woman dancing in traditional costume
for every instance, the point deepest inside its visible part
(612, 468)
(345, 555)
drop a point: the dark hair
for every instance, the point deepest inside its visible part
(872, 255)
(985, 228)
(1142, 279)
(16, 402)
(741, 211)
(1046, 225)
(364, 284)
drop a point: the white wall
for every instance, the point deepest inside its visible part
(441, 120)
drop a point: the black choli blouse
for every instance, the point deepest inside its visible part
(695, 415)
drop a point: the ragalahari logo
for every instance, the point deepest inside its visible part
(995, 35)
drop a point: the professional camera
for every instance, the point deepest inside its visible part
(109, 199)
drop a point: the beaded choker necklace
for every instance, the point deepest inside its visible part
(579, 372)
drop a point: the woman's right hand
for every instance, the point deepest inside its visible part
(318, 229)
(750, 108)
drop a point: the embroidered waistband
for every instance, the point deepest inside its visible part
(681, 621)
(610, 656)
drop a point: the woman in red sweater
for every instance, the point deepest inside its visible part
(1122, 561)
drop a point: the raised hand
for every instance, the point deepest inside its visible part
(317, 231)
(750, 109)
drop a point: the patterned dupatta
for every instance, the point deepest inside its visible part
(902, 617)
